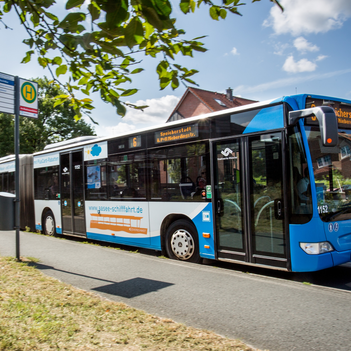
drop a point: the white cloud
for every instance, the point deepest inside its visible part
(157, 113)
(281, 83)
(303, 65)
(301, 44)
(235, 51)
(308, 16)
(321, 57)
(120, 128)
(279, 48)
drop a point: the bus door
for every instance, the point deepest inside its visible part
(248, 199)
(72, 193)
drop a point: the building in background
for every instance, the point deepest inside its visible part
(196, 102)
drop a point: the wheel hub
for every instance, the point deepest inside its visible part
(49, 225)
(182, 244)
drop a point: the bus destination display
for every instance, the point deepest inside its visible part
(180, 133)
(342, 110)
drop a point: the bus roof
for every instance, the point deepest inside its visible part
(297, 102)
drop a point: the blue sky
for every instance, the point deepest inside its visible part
(262, 55)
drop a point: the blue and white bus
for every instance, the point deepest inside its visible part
(263, 184)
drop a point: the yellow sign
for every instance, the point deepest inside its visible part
(28, 98)
(28, 92)
(342, 110)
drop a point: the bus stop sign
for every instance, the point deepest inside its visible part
(28, 98)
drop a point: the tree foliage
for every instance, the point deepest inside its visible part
(98, 43)
(54, 123)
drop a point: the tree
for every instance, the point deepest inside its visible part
(104, 58)
(54, 123)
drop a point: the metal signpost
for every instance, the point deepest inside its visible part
(18, 97)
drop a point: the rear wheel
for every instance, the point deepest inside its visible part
(182, 242)
(49, 223)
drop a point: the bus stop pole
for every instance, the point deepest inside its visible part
(17, 168)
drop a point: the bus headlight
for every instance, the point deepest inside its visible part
(316, 248)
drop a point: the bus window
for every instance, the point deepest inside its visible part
(179, 173)
(300, 189)
(127, 176)
(46, 183)
(122, 177)
(11, 186)
(95, 175)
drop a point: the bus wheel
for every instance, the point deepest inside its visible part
(49, 223)
(182, 242)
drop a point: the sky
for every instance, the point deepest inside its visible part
(263, 54)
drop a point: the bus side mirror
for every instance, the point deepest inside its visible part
(327, 120)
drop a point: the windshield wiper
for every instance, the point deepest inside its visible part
(343, 209)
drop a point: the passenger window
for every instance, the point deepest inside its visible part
(179, 173)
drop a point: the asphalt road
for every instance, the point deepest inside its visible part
(266, 311)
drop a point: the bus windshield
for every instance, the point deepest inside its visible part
(332, 173)
(331, 165)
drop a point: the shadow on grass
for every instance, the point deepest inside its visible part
(128, 289)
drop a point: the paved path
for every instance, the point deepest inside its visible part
(265, 312)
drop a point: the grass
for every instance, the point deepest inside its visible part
(40, 313)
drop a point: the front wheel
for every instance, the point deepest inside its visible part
(182, 242)
(49, 223)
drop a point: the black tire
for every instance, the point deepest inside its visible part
(182, 242)
(49, 227)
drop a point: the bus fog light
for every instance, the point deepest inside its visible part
(316, 248)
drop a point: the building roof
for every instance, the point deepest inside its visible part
(212, 100)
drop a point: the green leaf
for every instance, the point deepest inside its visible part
(214, 13)
(223, 13)
(140, 107)
(198, 48)
(57, 60)
(155, 19)
(74, 3)
(185, 6)
(99, 70)
(121, 109)
(51, 16)
(129, 92)
(149, 29)
(83, 81)
(86, 100)
(61, 70)
(190, 81)
(164, 82)
(7, 7)
(134, 32)
(175, 83)
(71, 20)
(162, 68)
(137, 70)
(163, 8)
(94, 11)
(28, 56)
(35, 19)
(116, 12)
(42, 62)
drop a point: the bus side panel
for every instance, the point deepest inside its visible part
(119, 222)
(54, 206)
(199, 213)
(311, 232)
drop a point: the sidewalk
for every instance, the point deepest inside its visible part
(264, 312)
